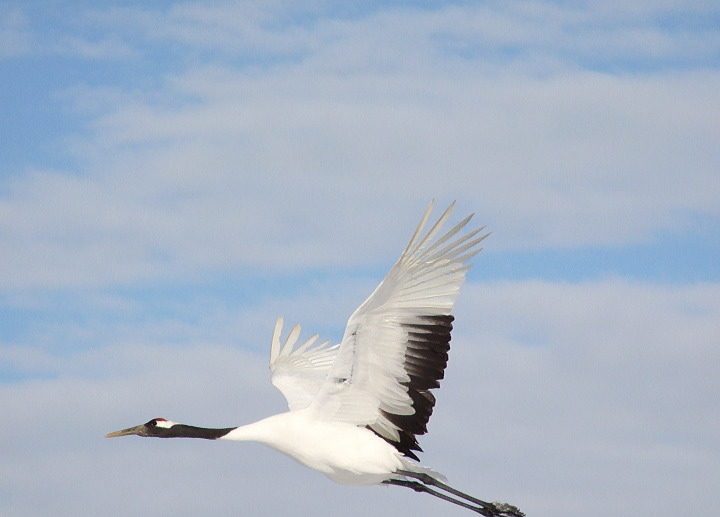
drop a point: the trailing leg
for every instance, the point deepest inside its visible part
(420, 487)
(494, 509)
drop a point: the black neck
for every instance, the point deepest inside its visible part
(189, 431)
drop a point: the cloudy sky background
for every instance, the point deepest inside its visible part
(173, 177)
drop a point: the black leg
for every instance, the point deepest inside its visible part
(491, 509)
(420, 487)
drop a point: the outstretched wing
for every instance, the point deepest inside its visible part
(395, 347)
(298, 373)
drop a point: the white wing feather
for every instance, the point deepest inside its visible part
(368, 382)
(298, 373)
(365, 379)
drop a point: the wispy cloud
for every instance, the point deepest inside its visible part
(15, 35)
(561, 393)
(596, 159)
(202, 169)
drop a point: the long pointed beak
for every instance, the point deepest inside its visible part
(126, 432)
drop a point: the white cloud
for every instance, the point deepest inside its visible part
(579, 159)
(277, 146)
(106, 48)
(15, 35)
(607, 385)
(558, 397)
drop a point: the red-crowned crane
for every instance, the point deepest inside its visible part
(356, 407)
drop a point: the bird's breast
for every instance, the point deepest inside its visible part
(345, 453)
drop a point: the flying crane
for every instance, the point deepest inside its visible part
(355, 408)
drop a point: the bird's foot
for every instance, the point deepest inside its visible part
(507, 510)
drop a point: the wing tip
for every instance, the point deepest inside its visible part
(275, 345)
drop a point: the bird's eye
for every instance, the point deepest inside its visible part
(151, 423)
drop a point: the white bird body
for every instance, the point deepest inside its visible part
(356, 408)
(345, 453)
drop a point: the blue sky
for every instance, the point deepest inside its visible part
(173, 177)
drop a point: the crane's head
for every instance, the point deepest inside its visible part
(158, 427)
